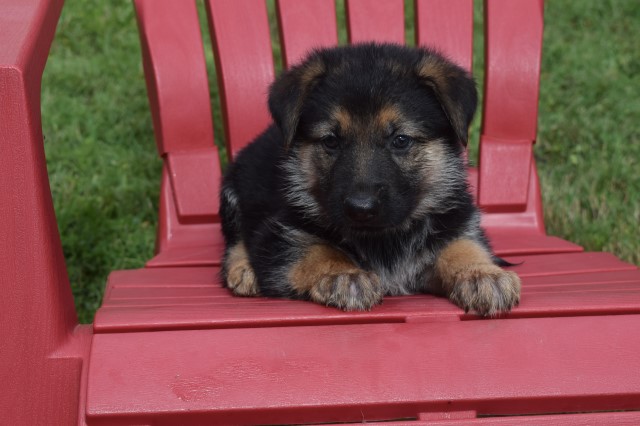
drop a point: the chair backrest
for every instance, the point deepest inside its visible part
(506, 180)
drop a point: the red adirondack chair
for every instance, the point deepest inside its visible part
(171, 346)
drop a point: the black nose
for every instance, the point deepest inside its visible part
(362, 206)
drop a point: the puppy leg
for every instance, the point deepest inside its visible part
(469, 278)
(239, 275)
(330, 278)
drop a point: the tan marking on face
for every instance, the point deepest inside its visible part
(440, 172)
(468, 276)
(429, 160)
(305, 159)
(240, 276)
(388, 116)
(343, 118)
(432, 159)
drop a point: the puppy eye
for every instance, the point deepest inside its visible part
(330, 142)
(402, 142)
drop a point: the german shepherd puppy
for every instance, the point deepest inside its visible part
(359, 189)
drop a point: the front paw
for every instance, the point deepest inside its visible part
(485, 289)
(350, 291)
(240, 277)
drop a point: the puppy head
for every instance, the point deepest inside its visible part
(373, 133)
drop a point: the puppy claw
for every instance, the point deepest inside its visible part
(355, 291)
(486, 289)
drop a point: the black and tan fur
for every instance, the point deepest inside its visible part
(359, 188)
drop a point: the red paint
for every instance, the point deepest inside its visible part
(513, 48)
(305, 25)
(373, 20)
(172, 346)
(446, 25)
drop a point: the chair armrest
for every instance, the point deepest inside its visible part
(36, 307)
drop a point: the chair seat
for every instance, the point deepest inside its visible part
(343, 373)
(193, 297)
(172, 343)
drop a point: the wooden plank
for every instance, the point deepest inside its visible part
(212, 286)
(513, 47)
(262, 312)
(603, 279)
(518, 223)
(180, 298)
(516, 242)
(567, 263)
(229, 312)
(160, 294)
(242, 47)
(375, 20)
(165, 277)
(577, 268)
(173, 236)
(172, 50)
(305, 25)
(513, 50)
(195, 177)
(209, 254)
(446, 25)
(366, 372)
(597, 297)
(631, 418)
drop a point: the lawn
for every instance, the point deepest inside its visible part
(104, 169)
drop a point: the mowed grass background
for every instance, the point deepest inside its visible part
(105, 171)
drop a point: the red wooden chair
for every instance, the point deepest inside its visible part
(171, 346)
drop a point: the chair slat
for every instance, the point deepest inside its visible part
(195, 178)
(593, 273)
(192, 240)
(513, 49)
(305, 25)
(373, 372)
(240, 35)
(375, 20)
(513, 53)
(446, 25)
(176, 74)
(178, 88)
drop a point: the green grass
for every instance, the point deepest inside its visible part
(104, 169)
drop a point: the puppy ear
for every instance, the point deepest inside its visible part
(454, 88)
(288, 92)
